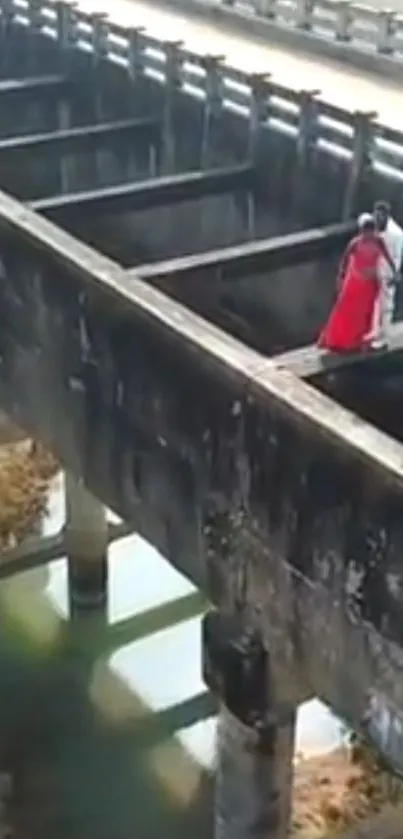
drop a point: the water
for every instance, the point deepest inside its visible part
(125, 730)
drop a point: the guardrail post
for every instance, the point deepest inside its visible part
(35, 14)
(386, 30)
(173, 83)
(214, 87)
(344, 21)
(135, 53)
(305, 147)
(259, 109)
(7, 18)
(265, 8)
(66, 17)
(66, 27)
(305, 14)
(360, 166)
(259, 112)
(35, 22)
(100, 34)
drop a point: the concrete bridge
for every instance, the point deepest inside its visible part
(167, 238)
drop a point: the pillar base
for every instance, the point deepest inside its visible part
(86, 545)
(254, 779)
(88, 582)
(255, 737)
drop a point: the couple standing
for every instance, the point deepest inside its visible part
(368, 274)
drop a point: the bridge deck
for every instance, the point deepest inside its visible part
(339, 84)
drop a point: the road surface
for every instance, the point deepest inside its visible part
(340, 85)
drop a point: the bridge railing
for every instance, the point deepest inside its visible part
(370, 30)
(294, 113)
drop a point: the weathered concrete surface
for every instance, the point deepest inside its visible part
(266, 292)
(266, 493)
(289, 309)
(253, 779)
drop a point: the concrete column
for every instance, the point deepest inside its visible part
(254, 779)
(86, 542)
(255, 744)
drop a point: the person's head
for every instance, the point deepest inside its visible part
(381, 214)
(366, 224)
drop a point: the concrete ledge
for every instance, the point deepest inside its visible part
(269, 32)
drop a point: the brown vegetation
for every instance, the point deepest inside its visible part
(25, 471)
(338, 790)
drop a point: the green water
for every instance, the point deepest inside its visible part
(96, 760)
(106, 718)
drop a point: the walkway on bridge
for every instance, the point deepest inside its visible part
(339, 84)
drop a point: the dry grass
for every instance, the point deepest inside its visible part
(335, 792)
(25, 472)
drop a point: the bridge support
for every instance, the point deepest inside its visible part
(255, 742)
(86, 542)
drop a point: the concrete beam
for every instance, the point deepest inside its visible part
(311, 361)
(238, 261)
(156, 192)
(243, 476)
(36, 551)
(13, 91)
(82, 138)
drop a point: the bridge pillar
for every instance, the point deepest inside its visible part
(86, 543)
(255, 740)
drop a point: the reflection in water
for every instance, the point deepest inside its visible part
(115, 728)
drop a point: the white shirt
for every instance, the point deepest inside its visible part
(393, 238)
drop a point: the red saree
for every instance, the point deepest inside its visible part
(350, 322)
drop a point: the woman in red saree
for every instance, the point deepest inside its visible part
(349, 325)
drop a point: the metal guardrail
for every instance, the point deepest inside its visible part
(354, 23)
(373, 31)
(300, 116)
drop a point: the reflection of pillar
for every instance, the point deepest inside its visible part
(86, 542)
(255, 744)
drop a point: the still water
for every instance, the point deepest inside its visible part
(112, 715)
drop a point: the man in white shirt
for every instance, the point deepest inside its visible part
(392, 235)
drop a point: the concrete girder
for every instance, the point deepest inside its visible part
(79, 139)
(242, 288)
(246, 478)
(13, 91)
(36, 551)
(155, 192)
(248, 258)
